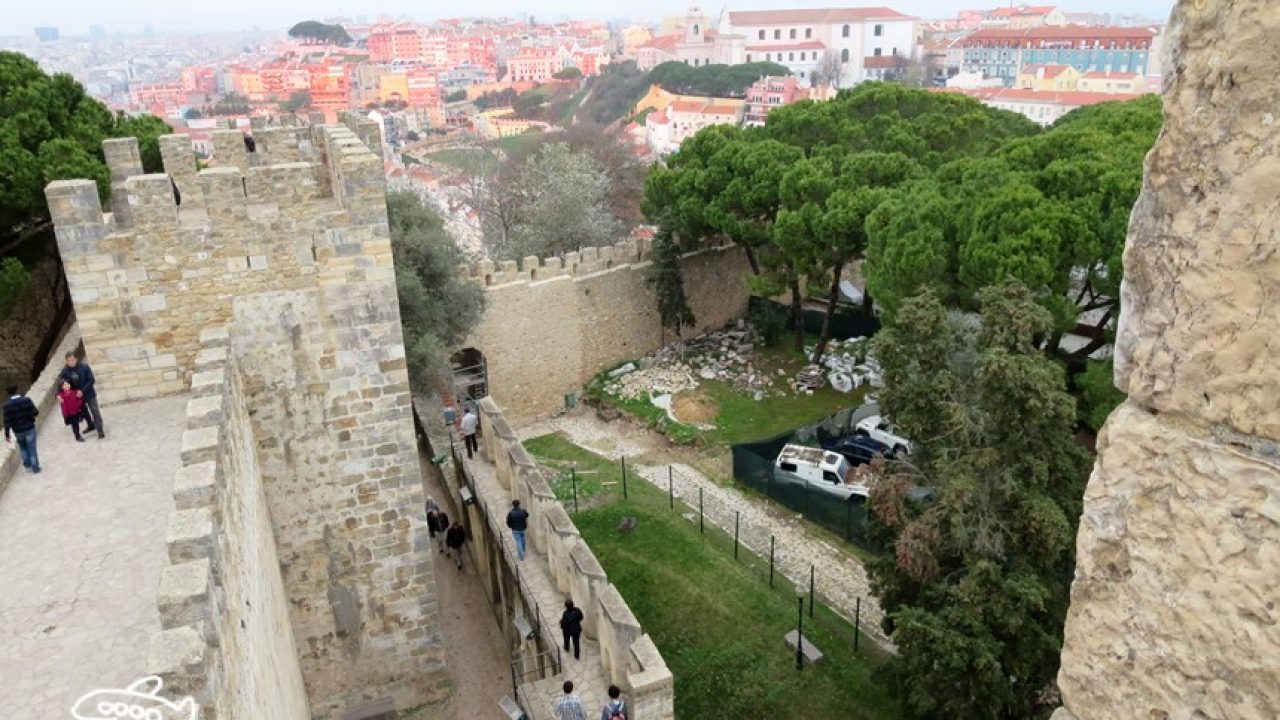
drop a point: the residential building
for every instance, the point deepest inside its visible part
(689, 116)
(1112, 83)
(1043, 107)
(397, 42)
(203, 79)
(1003, 53)
(771, 92)
(534, 64)
(657, 51)
(800, 38)
(330, 85)
(1024, 16)
(1048, 77)
(658, 129)
(892, 68)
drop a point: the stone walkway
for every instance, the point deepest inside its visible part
(81, 548)
(840, 577)
(535, 578)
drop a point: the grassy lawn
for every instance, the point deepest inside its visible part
(472, 160)
(716, 621)
(517, 143)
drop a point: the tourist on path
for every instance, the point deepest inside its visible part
(571, 626)
(469, 424)
(72, 408)
(433, 512)
(616, 708)
(518, 521)
(455, 539)
(569, 706)
(442, 525)
(20, 424)
(80, 375)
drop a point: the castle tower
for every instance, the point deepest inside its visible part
(271, 278)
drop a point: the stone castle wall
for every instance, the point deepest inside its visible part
(1175, 608)
(288, 248)
(550, 326)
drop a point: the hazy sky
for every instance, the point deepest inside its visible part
(73, 17)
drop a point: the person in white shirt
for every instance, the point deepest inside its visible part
(568, 706)
(469, 423)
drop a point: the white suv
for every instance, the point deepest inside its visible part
(879, 429)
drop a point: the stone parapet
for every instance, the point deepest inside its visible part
(43, 393)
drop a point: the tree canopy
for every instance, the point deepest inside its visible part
(712, 80)
(977, 580)
(320, 32)
(437, 306)
(51, 130)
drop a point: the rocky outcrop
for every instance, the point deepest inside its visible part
(1174, 606)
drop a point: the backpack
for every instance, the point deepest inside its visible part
(617, 710)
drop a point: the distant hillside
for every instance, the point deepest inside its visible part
(620, 85)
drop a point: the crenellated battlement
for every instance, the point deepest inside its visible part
(307, 207)
(632, 252)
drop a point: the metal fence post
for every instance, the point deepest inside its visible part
(624, 477)
(771, 561)
(573, 472)
(857, 620)
(671, 493)
(811, 591)
(736, 514)
(701, 531)
(800, 634)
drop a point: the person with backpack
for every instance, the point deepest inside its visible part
(20, 425)
(455, 538)
(571, 626)
(616, 708)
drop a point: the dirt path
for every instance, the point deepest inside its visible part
(840, 576)
(475, 651)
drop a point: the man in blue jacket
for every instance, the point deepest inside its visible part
(80, 375)
(20, 424)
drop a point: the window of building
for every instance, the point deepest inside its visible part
(695, 31)
(777, 34)
(895, 51)
(791, 56)
(761, 34)
(844, 55)
(808, 33)
(793, 33)
(748, 57)
(844, 32)
(767, 57)
(879, 30)
(802, 56)
(802, 73)
(878, 52)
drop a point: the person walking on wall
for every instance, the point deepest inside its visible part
(441, 525)
(469, 424)
(571, 626)
(80, 375)
(568, 706)
(518, 521)
(72, 408)
(616, 708)
(20, 425)
(455, 538)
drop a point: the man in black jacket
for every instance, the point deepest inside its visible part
(571, 627)
(80, 375)
(20, 424)
(518, 521)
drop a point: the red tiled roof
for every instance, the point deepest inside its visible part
(1025, 10)
(807, 45)
(658, 117)
(1050, 71)
(688, 105)
(663, 42)
(817, 15)
(720, 109)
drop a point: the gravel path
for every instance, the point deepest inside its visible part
(840, 577)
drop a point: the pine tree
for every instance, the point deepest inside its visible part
(667, 282)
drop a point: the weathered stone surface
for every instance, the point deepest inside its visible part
(1200, 332)
(1174, 606)
(810, 651)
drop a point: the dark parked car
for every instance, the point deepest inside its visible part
(859, 450)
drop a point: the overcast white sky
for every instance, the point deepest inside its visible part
(73, 17)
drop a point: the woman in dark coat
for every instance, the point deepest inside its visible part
(571, 626)
(455, 538)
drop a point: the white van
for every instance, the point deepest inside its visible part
(821, 470)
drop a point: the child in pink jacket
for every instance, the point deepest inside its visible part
(72, 407)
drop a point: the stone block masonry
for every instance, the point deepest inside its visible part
(1175, 608)
(299, 585)
(550, 326)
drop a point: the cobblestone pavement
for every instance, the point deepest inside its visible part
(839, 576)
(81, 548)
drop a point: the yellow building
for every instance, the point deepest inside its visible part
(1113, 83)
(393, 87)
(633, 37)
(1048, 78)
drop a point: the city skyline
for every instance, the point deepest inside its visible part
(237, 15)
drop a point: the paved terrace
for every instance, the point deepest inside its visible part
(588, 674)
(81, 548)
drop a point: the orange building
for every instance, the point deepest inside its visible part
(202, 79)
(330, 85)
(533, 64)
(387, 44)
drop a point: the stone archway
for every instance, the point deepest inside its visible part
(470, 374)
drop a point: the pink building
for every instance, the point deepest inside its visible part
(769, 93)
